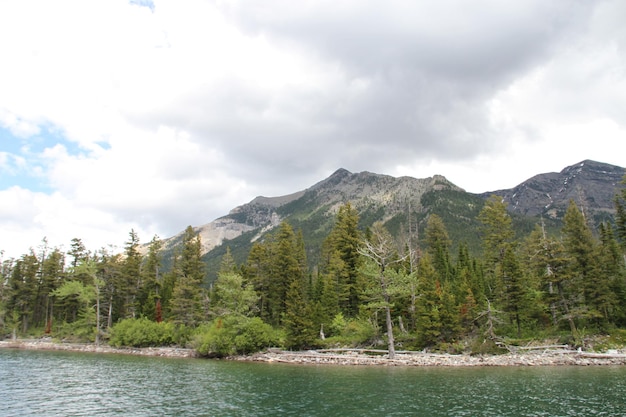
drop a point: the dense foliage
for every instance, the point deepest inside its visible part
(370, 286)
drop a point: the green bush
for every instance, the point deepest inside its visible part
(232, 335)
(352, 332)
(143, 332)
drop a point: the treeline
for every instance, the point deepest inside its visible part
(368, 285)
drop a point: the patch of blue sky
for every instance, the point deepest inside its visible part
(21, 163)
(143, 3)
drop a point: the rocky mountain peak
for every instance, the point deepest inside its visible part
(590, 184)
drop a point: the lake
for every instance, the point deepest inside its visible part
(48, 383)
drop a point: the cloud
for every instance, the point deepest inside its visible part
(159, 114)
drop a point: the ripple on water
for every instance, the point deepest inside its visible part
(82, 384)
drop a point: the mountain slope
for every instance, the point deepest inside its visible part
(373, 195)
(591, 185)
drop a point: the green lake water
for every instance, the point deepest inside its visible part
(38, 383)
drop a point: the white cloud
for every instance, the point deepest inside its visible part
(155, 115)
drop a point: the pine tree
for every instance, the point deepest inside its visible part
(52, 273)
(257, 272)
(130, 279)
(341, 259)
(620, 215)
(497, 236)
(515, 287)
(186, 305)
(77, 251)
(231, 296)
(438, 246)
(429, 326)
(297, 317)
(547, 260)
(581, 247)
(286, 267)
(151, 277)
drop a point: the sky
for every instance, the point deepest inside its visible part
(151, 115)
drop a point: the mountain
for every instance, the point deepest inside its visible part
(404, 204)
(379, 197)
(591, 185)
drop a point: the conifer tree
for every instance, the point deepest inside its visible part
(130, 278)
(620, 215)
(515, 287)
(52, 275)
(297, 317)
(429, 324)
(438, 246)
(497, 236)
(150, 291)
(257, 272)
(186, 305)
(580, 246)
(231, 296)
(342, 261)
(547, 261)
(286, 267)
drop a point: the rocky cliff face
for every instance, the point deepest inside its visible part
(591, 185)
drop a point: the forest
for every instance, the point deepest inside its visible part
(369, 289)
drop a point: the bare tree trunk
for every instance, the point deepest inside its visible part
(401, 324)
(110, 315)
(97, 312)
(390, 341)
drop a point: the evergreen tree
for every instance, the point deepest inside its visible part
(188, 296)
(52, 275)
(77, 251)
(130, 279)
(232, 296)
(547, 261)
(228, 263)
(151, 277)
(429, 326)
(580, 246)
(438, 246)
(620, 215)
(497, 236)
(611, 266)
(515, 288)
(23, 289)
(341, 259)
(297, 318)
(286, 267)
(110, 272)
(257, 272)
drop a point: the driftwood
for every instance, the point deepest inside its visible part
(370, 351)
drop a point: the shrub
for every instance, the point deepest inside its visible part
(235, 334)
(352, 332)
(143, 332)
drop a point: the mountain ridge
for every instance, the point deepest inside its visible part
(398, 201)
(590, 184)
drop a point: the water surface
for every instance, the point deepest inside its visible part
(43, 383)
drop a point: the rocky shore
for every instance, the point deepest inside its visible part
(547, 357)
(169, 352)
(544, 358)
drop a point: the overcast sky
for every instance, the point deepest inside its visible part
(155, 115)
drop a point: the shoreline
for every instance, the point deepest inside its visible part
(33, 344)
(547, 357)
